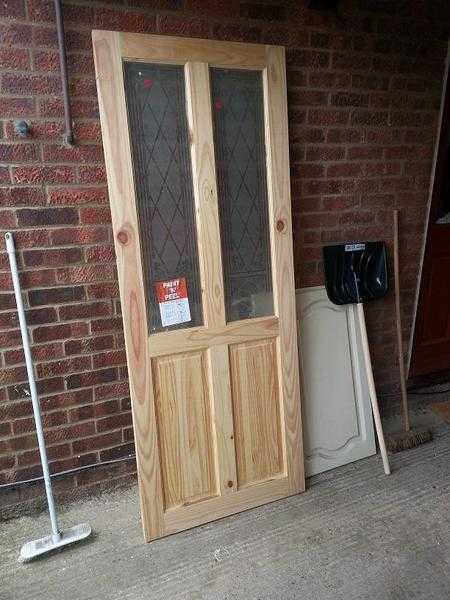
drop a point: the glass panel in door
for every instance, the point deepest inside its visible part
(156, 105)
(238, 117)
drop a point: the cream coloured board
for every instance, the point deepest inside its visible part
(337, 417)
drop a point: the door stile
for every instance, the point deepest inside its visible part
(198, 99)
(279, 196)
(119, 169)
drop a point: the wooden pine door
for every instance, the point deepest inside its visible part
(196, 150)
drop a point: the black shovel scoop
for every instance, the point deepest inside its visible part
(355, 272)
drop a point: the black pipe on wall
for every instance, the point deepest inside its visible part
(68, 136)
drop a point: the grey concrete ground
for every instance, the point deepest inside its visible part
(354, 535)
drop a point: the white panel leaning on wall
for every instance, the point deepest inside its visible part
(337, 417)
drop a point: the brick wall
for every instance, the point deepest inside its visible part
(364, 93)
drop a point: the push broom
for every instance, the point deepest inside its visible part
(408, 437)
(57, 538)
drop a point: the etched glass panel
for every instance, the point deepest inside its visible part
(164, 194)
(238, 115)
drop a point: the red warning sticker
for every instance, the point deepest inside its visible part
(173, 301)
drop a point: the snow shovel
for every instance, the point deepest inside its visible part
(58, 538)
(356, 273)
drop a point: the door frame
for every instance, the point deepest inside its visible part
(110, 50)
(429, 213)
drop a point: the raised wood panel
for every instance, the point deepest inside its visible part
(183, 412)
(256, 411)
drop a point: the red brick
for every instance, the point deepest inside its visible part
(89, 345)
(340, 202)
(105, 359)
(98, 441)
(325, 153)
(108, 407)
(328, 117)
(52, 258)
(41, 10)
(168, 24)
(59, 332)
(95, 216)
(72, 154)
(113, 422)
(39, 353)
(86, 274)
(47, 216)
(75, 195)
(10, 338)
(91, 378)
(329, 79)
(100, 254)
(84, 310)
(370, 117)
(37, 278)
(48, 420)
(67, 399)
(82, 235)
(101, 325)
(41, 85)
(103, 290)
(14, 58)
(308, 97)
(92, 174)
(349, 99)
(12, 9)
(85, 86)
(311, 59)
(112, 390)
(81, 413)
(364, 152)
(13, 375)
(118, 452)
(329, 186)
(21, 196)
(238, 33)
(38, 316)
(31, 457)
(344, 170)
(63, 367)
(7, 301)
(14, 153)
(55, 295)
(5, 175)
(46, 60)
(7, 218)
(89, 131)
(69, 432)
(17, 107)
(44, 174)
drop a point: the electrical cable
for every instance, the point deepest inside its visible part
(68, 471)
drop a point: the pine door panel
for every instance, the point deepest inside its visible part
(198, 180)
(256, 411)
(185, 429)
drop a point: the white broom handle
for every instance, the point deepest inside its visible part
(34, 396)
(372, 390)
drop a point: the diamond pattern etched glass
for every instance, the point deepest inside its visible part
(238, 116)
(162, 169)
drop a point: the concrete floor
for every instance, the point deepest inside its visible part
(354, 535)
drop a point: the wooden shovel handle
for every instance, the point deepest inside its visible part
(398, 323)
